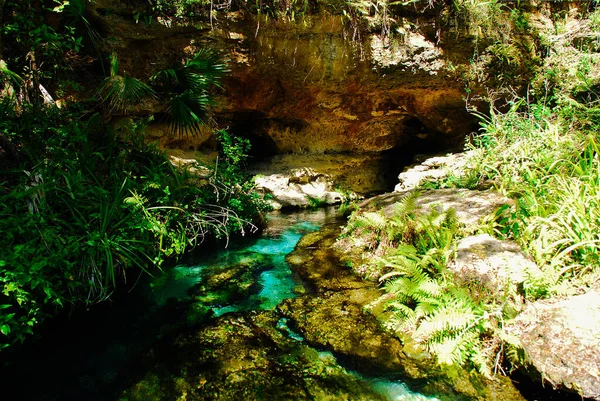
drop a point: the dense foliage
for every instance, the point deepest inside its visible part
(86, 208)
(543, 152)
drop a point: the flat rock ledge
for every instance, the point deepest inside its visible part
(492, 262)
(562, 339)
(431, 169)
(300, 188)
(470, 205)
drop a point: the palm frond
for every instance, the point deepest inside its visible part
(186, 88)
(209, 64)
(118, 92)
(188, 111)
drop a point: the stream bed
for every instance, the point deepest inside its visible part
(276, 317)
(208, 328)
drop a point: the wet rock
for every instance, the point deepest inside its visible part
(340, 314)
(431, 169)
(230, 283)
(561, 339)
(359, 173)
(243, 357)
(492, 262)
(470, 205)
(302, 187)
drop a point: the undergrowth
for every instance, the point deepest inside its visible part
(87, 209)
(408, 252)
(542, 152)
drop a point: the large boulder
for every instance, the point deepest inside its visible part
(562, 338)
(493, 263)
(301, 187)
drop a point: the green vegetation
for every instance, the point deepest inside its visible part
(542, 151)
(86, 208)
(458, 322)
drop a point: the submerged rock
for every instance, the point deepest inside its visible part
(562, 339)
(243, 357)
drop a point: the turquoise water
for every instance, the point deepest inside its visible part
(266, 259)
(90, 358)
(260, 265)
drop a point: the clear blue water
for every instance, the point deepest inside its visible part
(274, 277)
(89, 359)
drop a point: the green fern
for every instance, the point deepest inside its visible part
(370, 220)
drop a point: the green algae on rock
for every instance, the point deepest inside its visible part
(241, 357)
(337, 315)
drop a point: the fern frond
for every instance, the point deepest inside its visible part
(406, 205)
(448, 351)
(447, 318)
(430, 287)
(426, 308)
(371, 220)
(481, 360)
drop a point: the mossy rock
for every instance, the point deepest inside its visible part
(239, 357)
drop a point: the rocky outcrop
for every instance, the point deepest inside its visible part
(561, 338)
(304, 87)
(299, 188)
(470, 205)
(492, 262)
(338, 314)
(431, 169)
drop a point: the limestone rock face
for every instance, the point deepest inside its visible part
(470, 205)
(562, 339)
(305, 86)
(492, 262)
(302, 187)
(433, 168)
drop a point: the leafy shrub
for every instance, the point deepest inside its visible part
(87, 209)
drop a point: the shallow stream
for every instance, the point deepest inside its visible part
(96, 355)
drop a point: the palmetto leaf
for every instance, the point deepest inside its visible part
(209, 64)
(187, 89)
(118, 92)
(189, 111)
